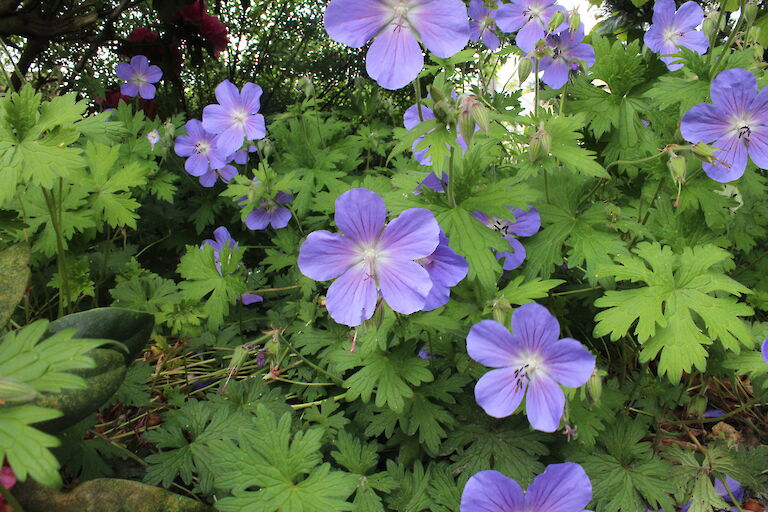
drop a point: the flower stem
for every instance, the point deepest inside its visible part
(5, 493)
(318, 402)
(536, 89)
(563, 98)
(727, 47)
(417, 88)
(641, 160)
(334, 378)
(714, 35)
(60, 259)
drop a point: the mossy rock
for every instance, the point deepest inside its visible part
(104, 495)
(131, 328)
(102, 381)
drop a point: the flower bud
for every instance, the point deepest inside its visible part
(305, 85)
(524, 69)
(574, 21)
(704, 152)
(265, 147)
(750, 12)
(534, 148)
(546, 141)
(677, 167)
(709, 26)
(438, 94)
(753, 35)
(595, 386)
(500, 310)
(557, 19)
(443, 112)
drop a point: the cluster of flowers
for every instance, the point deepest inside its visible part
(408, 261)
(445, 27)
(212, 30)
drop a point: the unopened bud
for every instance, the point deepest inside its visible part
(758, 52)
(546, 141)
(753, 36)
(272, 346)
(595, 386)
(704, 152)
(709, 26)
(500, 309)
(524, 69)
(443, 112)
(437, 94)
(750, 12)
(557, 19)
(265, 147)
(534, 148)
(677, 166)
(574, 21)
(305, 84)
(466, 126)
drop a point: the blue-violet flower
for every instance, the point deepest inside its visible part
(672, 29)
(236, 116)
(139, 77)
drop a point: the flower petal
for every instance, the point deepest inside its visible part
(124, 71)
(491, 344)
(255, 128)
(556, 74)
(249, 298)
(733, 90)
(360, 214)
(259, 219)
(394, 59)
(230, 140)
(404, 285)
(491, 40)
(209, 179)
(351, 299)
(529, 35)
(758, 146)
(544, 405)
(412, 235)
(250, 97)
(568, 362)
(695, 41)
(515, 257)
(326, 255)
(196, 165)
(411, 117)
(689, 16)
(510, 17)
(663, 13)
(129, 89)
(446, 267)
(438, 296)
(216, 119)
(562, 487)
(139, 63)
(526, 223)
(442, 25)
(355, 22)
(499, 392)
(534, 326)
(227, 95)
(147, 91)
(733, 154)
(704, 123)
(153, 74)
(490, 491)
(280, 218)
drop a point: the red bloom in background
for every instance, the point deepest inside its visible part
(8, 479)
(112, 99)
(210, 27)
(147, 42)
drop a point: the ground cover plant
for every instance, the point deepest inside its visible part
(383, 255)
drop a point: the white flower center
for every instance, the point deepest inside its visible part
(672, 35)
(526, 370)
(371, 256)
(742, 125)
(240, 116)
(139, 79)
(203, 147)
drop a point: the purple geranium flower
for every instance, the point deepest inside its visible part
(198, 145)
(395, 58)
(670, 30)
(764, 350)
(433, 182)
(153, 137)
(737, 123)
(568, 52)
(561, 487)
(271, 212)
(531, 18)
(139, 77)
(446, 269)
(369, 257)
(411, 119)
(424, 353)
(222, 239)
(531, 358)
(235, 117)
(525, 224)
(482, 24)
